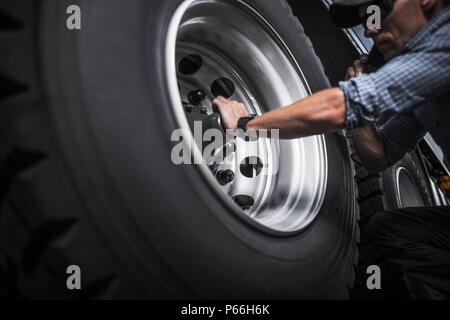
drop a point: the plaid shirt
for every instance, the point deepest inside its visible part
(412, 91)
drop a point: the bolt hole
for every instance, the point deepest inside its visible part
(222, 87)
(190, 64)
(251, 167)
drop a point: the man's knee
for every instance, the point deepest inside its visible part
(384, 224)
(386, 234)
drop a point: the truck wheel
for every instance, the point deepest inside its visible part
(403, 185)
(87, 177)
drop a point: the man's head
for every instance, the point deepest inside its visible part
(402, 20)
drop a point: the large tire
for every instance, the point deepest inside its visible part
(87, 179)
(380, 192)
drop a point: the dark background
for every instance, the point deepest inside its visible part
(330, 43)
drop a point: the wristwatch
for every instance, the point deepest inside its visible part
(242, 122)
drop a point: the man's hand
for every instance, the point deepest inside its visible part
(359, 67)
(230, 111)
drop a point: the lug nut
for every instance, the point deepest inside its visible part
(196, 97)
(188, 107)
(243, 201)
(230, 148)
(225, 176)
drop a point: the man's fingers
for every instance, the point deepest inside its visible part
(361, 65)
(358, 68)
(230, 111)
(220, 101)
(351, 73)
(361, 62)
(220, 98)
(216, 102)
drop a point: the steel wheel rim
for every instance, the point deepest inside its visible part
(407, 191)
(289, 201)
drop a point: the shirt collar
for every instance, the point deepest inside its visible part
(429, 29)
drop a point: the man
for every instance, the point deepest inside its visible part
(412, 91)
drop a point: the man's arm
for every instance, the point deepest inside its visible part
(378, 149)
(322, 112)
(317, 114)
(368, 144)
(370, 148)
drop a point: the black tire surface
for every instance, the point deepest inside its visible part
(86, 176)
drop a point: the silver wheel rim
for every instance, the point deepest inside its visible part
(264, 73)
(408, 193)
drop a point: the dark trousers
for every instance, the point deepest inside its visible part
(417, 240)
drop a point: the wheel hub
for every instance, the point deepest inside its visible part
(280, 184)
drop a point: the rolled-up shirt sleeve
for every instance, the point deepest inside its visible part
(403, 84)
(400, 135)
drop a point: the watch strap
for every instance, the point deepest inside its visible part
(242, 122)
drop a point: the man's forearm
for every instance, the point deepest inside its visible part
(316, 114)
(320, 113)
(370, 148)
